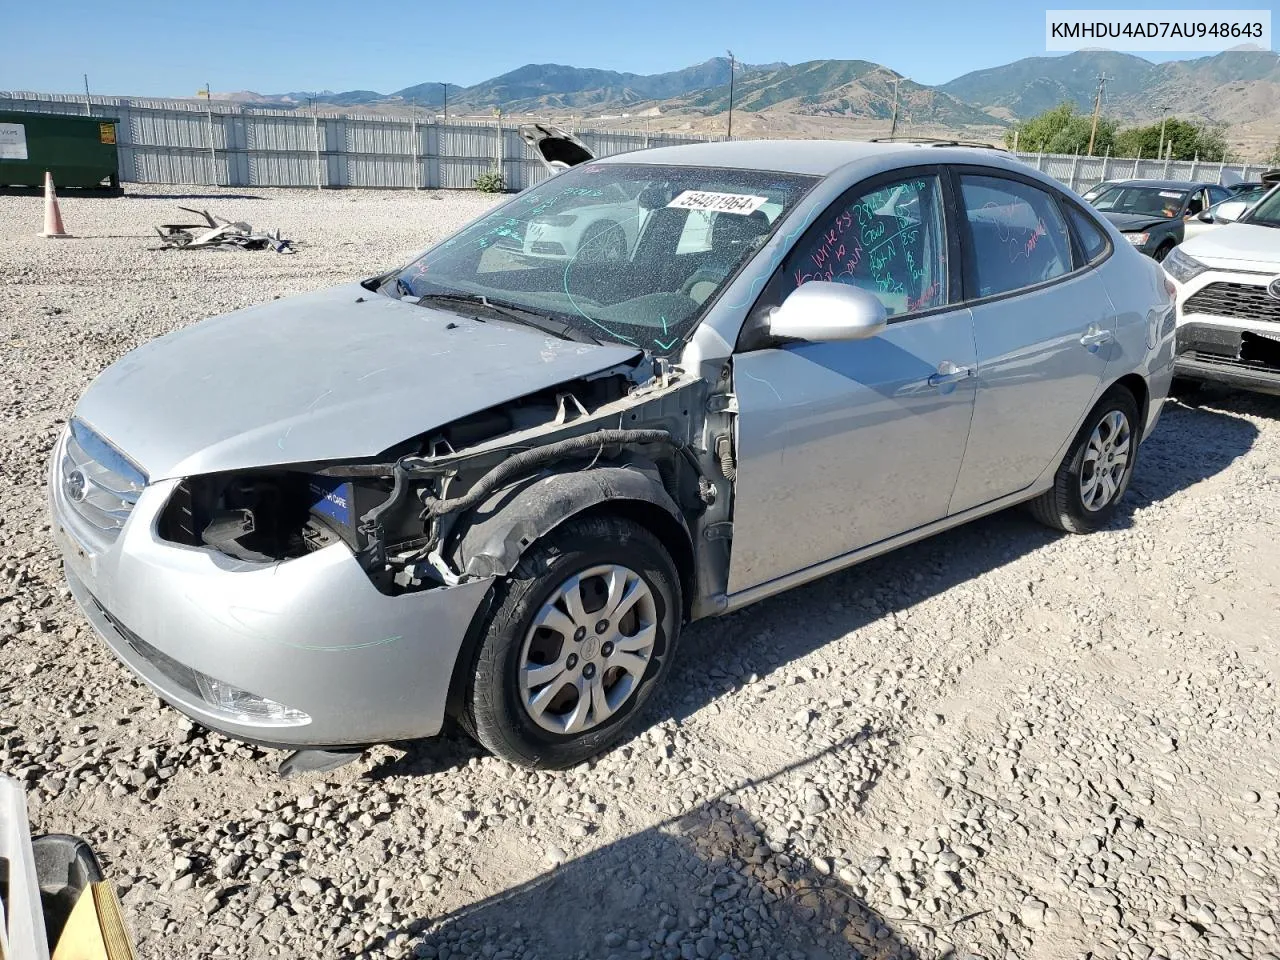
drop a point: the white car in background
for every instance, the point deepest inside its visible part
(1225, 211)
(1228, 298)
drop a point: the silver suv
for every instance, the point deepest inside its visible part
(496, 485)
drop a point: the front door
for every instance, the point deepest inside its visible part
(1044, 328)
(842, 444)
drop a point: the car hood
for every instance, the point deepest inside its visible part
(1238, 241)
(333, 375)
(1129, 222)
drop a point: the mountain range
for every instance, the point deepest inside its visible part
(1235, 87)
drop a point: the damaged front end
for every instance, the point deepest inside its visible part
(462, 502)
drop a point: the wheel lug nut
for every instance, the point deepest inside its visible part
(602, 626)
(579, 634)
(606, 650)
(589, 670)
(572, 661)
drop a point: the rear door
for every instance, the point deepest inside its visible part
(1043, 326)
(843, 444)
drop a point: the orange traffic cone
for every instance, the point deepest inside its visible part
(52, 215)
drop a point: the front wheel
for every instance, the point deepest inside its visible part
(576, 640)
(1162, 252)
(1095, 473)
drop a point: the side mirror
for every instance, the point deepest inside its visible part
(822, 310)
(1205, 217)
(1230, 210)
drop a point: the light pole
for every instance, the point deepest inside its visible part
(1164, 115)
(445, 101)
(893, 126)
(731, 65)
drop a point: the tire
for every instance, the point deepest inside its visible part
(1162, 251)
(1063, 506)
(603, 242)
(519, 638)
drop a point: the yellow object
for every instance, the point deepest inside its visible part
(95, 930)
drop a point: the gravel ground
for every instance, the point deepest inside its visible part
(999, 742)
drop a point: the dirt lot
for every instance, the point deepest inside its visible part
(1000, 742)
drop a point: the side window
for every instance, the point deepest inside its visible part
(1092, 240)
(890, 241)
(1017, 235)
(1196, 203)
(1218, 194)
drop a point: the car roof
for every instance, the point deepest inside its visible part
(813, 157)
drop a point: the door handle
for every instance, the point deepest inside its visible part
(1095, 338)
(951, 376)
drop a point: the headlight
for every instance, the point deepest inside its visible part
(1182, 266)
(559, 220)
(1137, 239)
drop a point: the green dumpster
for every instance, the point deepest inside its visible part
(80, 152)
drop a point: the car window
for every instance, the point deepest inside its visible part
(1218, 194)
(889, 241)
(1017, 235)
(1144, 201)
(1092, 240)
(1196, 205)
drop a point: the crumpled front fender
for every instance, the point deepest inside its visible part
(496, 534)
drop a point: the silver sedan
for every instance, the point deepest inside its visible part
(497, 487)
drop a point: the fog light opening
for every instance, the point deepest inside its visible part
(246, 707)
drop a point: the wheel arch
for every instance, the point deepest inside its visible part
(1137, 386)
(495, 535)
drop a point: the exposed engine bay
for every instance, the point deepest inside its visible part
(444, 507)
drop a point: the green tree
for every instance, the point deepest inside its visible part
(1064, 130)
(1190, 140)
(1274, 159)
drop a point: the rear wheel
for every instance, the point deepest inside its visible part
(576, 641)
(1095, 473)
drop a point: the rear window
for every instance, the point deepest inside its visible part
(1092, 240)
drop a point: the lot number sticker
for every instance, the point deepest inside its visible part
(13, 141)
(718, 202)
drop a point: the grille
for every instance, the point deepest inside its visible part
(1245, 301)
(98, 482)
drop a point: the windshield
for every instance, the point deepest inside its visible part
(1144, 201)
(632, 253)
(1267, 212)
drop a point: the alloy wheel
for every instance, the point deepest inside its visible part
(588, 648)
(1106, 458)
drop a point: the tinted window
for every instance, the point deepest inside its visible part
(1017, 234)
(1218, 194)
(889, 241)
(1197, 204)
(1091, 238)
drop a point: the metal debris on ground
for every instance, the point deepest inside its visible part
(218, 233)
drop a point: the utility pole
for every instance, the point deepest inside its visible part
(1164, 115)
(732, 62)
(87, 109)
(1097, 108)
(893, 126)
(445, 88)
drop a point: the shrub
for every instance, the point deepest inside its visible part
(490, 182)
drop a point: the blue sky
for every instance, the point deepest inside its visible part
(145, 48)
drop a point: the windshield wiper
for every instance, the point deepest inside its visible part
(515, 313)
